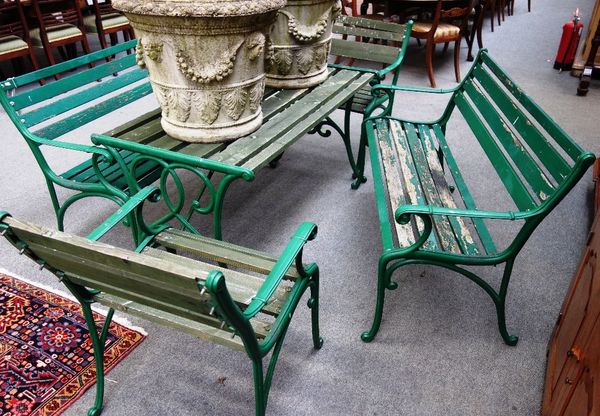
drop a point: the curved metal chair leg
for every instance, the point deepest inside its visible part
(382, 283)
(313, 304)
(500, 303)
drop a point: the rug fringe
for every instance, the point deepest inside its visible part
(121, 320)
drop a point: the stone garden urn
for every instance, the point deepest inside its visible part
(301, 39)
(206, 62)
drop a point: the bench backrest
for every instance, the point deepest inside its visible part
(535, 159)
(392, 41)
(56, 108)
(140, 278)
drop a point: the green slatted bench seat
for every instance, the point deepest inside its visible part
(427, 212)
(245, 304)
(45, 114)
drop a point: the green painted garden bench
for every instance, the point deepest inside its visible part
(246, 303)
(427, 213)
(46, 114)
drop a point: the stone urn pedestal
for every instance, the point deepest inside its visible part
(205, 60)
(301, 40)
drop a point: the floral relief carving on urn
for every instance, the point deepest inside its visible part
(206, 62)
(301, 39)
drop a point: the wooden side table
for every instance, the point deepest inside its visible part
(572, 385)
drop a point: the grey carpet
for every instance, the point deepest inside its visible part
(438, 351)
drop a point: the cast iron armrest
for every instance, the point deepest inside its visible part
(69, 146)
(126, 209)
(404, 212)
(292, 254)
(217, 287)
(193, 161)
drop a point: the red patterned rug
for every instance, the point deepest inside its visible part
(46, 356)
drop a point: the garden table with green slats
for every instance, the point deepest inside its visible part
(288, 115)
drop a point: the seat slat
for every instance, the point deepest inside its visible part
(327, 103)
(462, 234)
(92, 113)
(514, 185)
(242, 286)
(401, 167)
(251, 145)
(386, 228)
(483, 232)
(536, 178)
(194, 328)
(445, 234)
(220, 251)
(551, 159)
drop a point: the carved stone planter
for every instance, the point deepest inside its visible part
(301, 40)
(206, 62)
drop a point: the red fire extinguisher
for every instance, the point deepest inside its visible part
(568, 43)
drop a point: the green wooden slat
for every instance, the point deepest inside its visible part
(357, 50)
(71, 82)
(509, 177)
(240, 285)
(203, 331)
(165, 279)
(369, 23)
(68, 65)
(340, 29)
(483, 232)
(242, 150)
(220, 251)
(391, 159)
(547, 154)
(557, 133)
(135, 123)
(402, 141)
(385, 226)
(536, 178)
(92, 113)
(278, 102)
(320, 106)
(83, 97)
(462, 234)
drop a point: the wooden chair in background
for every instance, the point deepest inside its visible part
(60, 24)
(447, 25)
(14, 35)
(105, 20)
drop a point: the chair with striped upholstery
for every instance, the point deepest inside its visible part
(60, 24)
(105, 20)
(447, 25)
(14, 34)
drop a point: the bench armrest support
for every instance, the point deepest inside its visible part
(404, 212)
(124, 211)
(292, 254)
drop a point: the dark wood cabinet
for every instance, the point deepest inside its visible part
(572, 385)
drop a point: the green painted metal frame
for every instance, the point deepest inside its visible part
(362, 27)
(101, 160)
(394, 257)
(225, 308)
(171, 165)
